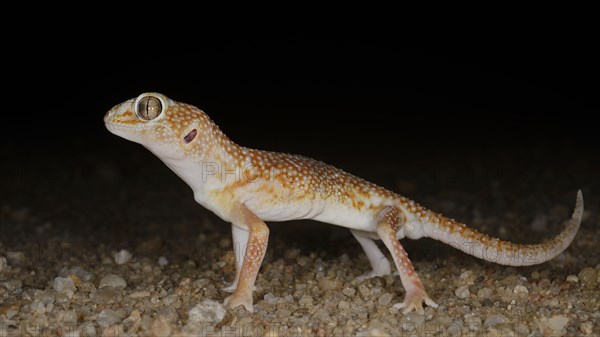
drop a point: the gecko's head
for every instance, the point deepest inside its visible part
(165, 127)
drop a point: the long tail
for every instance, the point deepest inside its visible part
(492, 249)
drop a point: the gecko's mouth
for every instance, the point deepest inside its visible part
(113, 126)
(125, 131)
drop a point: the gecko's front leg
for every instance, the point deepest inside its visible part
(388, 223)
(254, 252)
(240, 241)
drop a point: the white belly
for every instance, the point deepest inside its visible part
(348, 217)
(319, 211)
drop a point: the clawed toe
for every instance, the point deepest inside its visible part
(414, 302)
(372, 274)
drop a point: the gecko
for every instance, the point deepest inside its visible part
(246, 187)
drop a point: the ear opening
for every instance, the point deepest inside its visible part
(190, 136)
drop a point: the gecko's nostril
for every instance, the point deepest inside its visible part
(190, 136)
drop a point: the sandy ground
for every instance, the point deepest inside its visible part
(104, 243)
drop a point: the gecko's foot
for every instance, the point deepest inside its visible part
(414, 301)
(373, 273)
(236, 300)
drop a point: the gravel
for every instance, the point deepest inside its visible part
(112, 280)
(462, 292)
(207, 312)
(122, 256)
(138, 256)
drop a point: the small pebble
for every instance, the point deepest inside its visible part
(112, 280)
(349, 292)
(372, 332)
(556, 324)
(207, 311)
(3, 263)
(343, 305)
(586, 328)
(385, 299)
(86, 286)
(520, 289)
(162, 261)
(484, 293)
(88, 329)
(161, 326)
(139, 294)
(487, 303)
(588, 277)
(328, 284)
(468, 277)
(107, 318)
(169, 313)
(412, 318)
(122, 257)
(15, 258)
(83, 274)
(572, 278)
(149, 246)
(270, 298)
(473, 322)
(12, 285)
(67, 316)
(499, 332)
(495, 319)
(306, 300)
(105, 296)
(462, 292)
(64, 285)
(364, 290)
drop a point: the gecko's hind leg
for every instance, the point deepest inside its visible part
(388, 223)
(379, 263)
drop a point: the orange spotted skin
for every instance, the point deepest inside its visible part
(247, 187)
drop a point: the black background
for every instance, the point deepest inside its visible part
(350, 97)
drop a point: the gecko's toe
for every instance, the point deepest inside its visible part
(237, 300)
(414, 302)
(373, 273)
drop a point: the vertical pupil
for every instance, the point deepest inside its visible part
(149, 108)
(153, 107)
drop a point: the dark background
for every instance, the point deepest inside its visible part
(305, 95)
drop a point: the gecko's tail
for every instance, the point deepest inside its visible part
(495, 250)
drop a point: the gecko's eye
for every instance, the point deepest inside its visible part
(148, 108)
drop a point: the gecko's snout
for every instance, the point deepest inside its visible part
(108, 116)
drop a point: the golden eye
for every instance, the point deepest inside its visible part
(149, 107)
